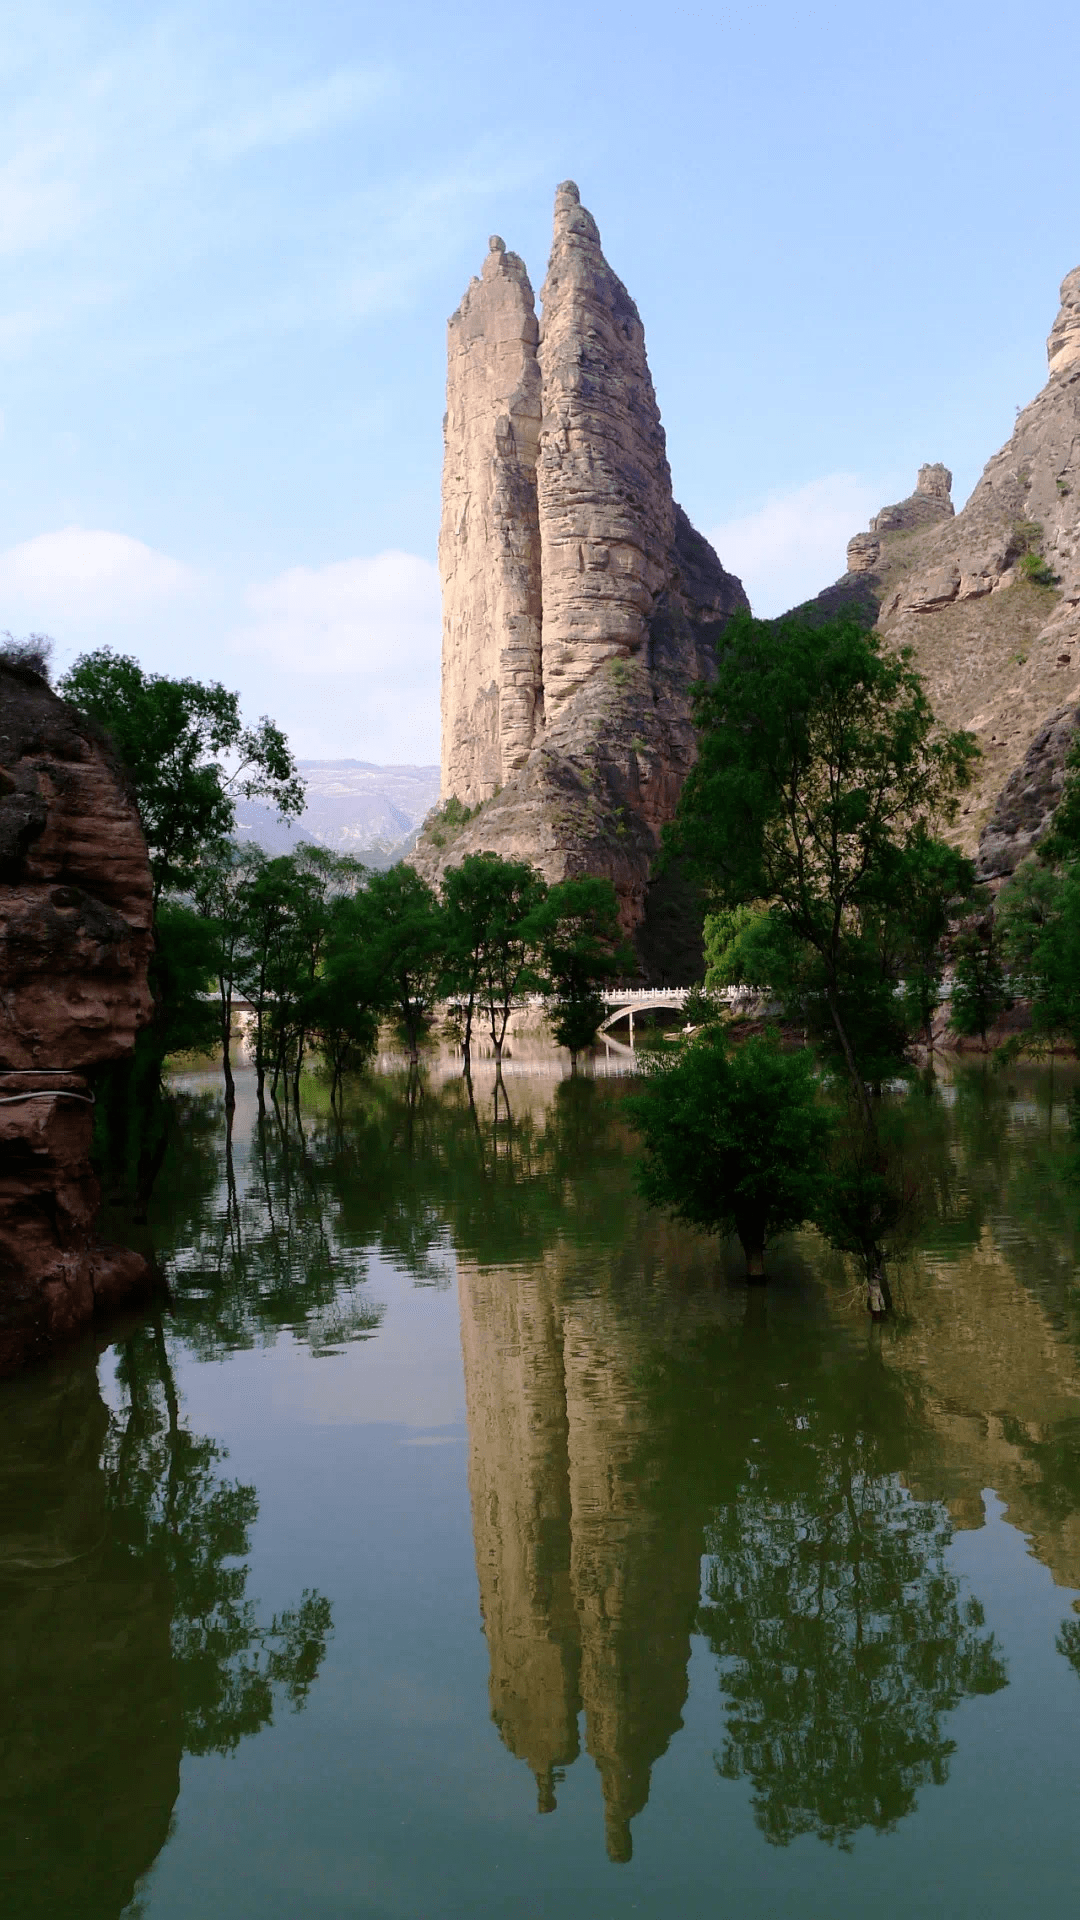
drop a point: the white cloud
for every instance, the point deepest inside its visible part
(356, 646)
(298, 113)
(795, 544)
(376, 617)
(35, 210)
(81, 574)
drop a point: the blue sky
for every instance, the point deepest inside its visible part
(230, 236)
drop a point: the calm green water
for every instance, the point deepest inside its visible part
(462, 1540)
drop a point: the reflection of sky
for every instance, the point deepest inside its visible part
(408, 1374)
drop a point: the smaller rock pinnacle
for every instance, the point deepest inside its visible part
(497, 244)
(569, 188)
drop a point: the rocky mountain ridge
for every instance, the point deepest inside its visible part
(352, 806)
(988, 599)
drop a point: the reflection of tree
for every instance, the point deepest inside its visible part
(472, 1163)
(1068, 1643)
(172, 1509)
(844, 1637)
(126, 1634)
(252, 1239)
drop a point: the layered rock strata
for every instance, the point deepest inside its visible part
(607, 517)
(579, 603)
(489, 542)
(989, 602)
(75, 937)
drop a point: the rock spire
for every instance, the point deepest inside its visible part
(579, 605)
(489, 544)
(607, 517)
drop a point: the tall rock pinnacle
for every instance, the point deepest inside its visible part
(489, 543)
(607, 518)
(579, 605)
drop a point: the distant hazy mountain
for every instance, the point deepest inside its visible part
(353, 807)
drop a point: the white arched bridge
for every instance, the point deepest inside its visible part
(626, 1002)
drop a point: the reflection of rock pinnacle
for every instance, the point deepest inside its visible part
(620, 1847)
(545, 1791)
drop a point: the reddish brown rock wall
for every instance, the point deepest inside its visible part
(75, 936)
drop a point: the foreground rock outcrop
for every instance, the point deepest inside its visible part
(75, 937)
(579, 603)
(989, 602)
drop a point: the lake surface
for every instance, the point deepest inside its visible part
(462, 1539)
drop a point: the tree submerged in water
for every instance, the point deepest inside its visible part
(810, 821)
(734, 1138)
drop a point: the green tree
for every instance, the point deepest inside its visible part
(346, 999)
(1037, 925)
(402, 925)
(131, 1121)
(735, 1138)
(580, 948)
(867, 1203)
(492, 936)
(222, 895)
(314, 882)
(979, 990)
(819, 769)
(189, 756)
(735, 955)
(930, 880)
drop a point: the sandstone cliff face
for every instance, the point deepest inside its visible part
(989, 601)
(75, 936)
(607, 517)
(579, 603)
(489, 543)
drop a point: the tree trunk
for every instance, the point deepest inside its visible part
(226, 1040)
(857, 1081)
(752, 1240)
(878, 1291)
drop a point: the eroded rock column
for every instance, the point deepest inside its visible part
(607, 519)
(489, 542)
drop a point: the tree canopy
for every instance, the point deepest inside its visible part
(189, 756)
(735, 1137)
(820, 777)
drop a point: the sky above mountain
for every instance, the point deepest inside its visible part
(230, 236)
